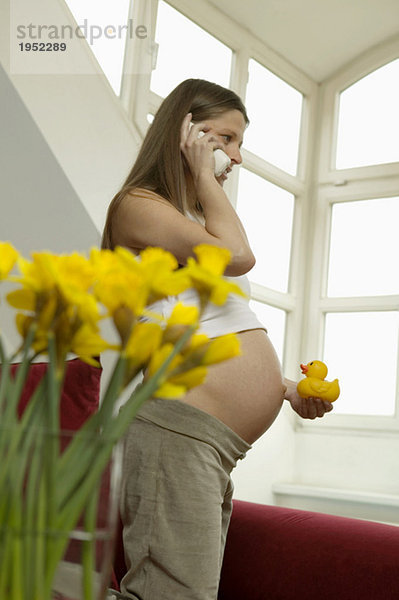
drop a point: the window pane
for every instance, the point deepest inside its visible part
(274, 321)
(364, 251)
(368, 126)
(185, 51)
(274, 109)
(266, 211)
(361, 349)
(109, 46)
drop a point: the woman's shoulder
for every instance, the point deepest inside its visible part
(140, 193)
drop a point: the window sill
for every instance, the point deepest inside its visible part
(366, 425)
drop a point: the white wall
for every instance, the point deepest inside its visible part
(79, 117)
(270, 460)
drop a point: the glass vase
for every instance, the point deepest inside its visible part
(58, 514)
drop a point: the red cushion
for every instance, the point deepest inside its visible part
(286, 554)
(80, 393)
(119, 565)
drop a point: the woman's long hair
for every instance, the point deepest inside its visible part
(160, 166)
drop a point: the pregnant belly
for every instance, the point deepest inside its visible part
(245, 392)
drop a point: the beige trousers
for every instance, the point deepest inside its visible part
(176, 501)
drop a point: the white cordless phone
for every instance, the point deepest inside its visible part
(222, 161)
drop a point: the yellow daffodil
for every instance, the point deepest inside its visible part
(8, 258)
(202, 351)
(206, 275)
(119, 283)
(87, 342)
(212, 258)
(160, 270)
(68, 276)
(74, 279)
(23, 324)
(177, 386)
(150, 257)
(56, 292)
(22, 299)
(160, 356)
(212, 351)
(183, 315)
(76, 269)
(143, 343)
(176, 382)
(60, 295)
(180, 319)
(122, 288)
(39, 274)
(127, 284)
(221, 348)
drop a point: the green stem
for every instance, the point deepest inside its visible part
(54, 380)
(5, 374)
(89, 546)
(78, 457)
(40, 539)
(33, 560)
(16, 579)
(12, 389)
(5, 546)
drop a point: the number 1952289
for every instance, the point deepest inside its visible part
(42, 46)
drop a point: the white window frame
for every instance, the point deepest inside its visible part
(316, 186)
(345, 185)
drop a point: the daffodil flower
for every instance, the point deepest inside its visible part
(202, 351)
(180, 319)
(87, 342)
(8, 258)
(221, 348)
(143, 343)
(118, 284)
(176, 382)
(177, 386)
(159, 269)
(206, 275)
(212, 258)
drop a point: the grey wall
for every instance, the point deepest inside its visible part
(39, 209)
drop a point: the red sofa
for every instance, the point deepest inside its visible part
(275, 553)
(80, 392)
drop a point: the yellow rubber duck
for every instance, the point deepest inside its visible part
(314, 386)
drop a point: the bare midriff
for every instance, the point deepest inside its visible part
(245, 392)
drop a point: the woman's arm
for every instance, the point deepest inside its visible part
(221, 220)
(149, 220)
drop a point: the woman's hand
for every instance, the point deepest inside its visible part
(307, 408)
(198, 150)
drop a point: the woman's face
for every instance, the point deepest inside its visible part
(229, 129)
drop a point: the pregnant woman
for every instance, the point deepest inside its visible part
(177, 492)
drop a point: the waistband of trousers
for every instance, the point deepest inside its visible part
(191, 421)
